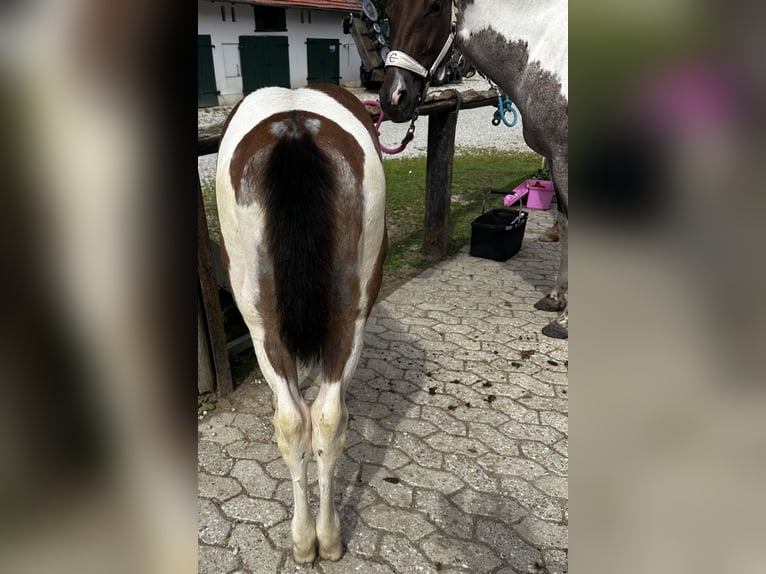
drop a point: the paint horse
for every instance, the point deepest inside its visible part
(521, 45)
(301, 201)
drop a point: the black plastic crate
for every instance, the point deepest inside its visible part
(498, 233)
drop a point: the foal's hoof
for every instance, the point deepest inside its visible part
(332, 552)
(304, 556)
(555, 330)
(549, 303)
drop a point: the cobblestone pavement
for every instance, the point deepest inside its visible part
(456, 457)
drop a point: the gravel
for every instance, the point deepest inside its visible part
(474, 129)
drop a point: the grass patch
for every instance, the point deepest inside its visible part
(473, 174)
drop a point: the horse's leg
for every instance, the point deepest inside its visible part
(292, 425)
(559, 327)
(329, 419)
(557, 299)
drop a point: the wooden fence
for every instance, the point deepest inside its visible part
(443, 109)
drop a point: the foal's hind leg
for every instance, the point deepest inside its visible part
(292, 425)
(329, 420)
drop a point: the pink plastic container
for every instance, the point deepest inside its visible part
(539, 193)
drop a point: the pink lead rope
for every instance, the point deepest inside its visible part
(407, 138)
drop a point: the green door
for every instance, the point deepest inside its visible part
(323, 60)
(265, 62)
(207, 92)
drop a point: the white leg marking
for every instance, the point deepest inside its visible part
(329, 418)
(292, 426)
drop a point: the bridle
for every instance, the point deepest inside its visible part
(399, 59)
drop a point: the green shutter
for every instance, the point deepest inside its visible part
(265, 62)
(207, 91)
(323, 57)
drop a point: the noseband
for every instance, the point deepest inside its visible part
(399, 59)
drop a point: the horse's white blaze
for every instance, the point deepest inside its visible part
(543, 24)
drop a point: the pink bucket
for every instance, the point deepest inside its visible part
(539, 193)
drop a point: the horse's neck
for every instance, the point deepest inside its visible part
(542, 24)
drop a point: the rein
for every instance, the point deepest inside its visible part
(407, 138)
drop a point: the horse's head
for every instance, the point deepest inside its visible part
(421, 36)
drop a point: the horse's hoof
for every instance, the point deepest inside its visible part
(555, 331)
(549, 303)
(332, 552)
(306, 556)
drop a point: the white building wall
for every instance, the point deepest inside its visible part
(323, 24)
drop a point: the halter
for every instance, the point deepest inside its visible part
(399, 59)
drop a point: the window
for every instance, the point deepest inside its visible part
(269, 19)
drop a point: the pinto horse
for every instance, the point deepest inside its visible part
(519, 44)
(301, 200)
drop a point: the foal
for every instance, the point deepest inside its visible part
(301, 200)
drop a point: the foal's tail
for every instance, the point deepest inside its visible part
(301, 234)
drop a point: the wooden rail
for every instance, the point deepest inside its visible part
(444, 108)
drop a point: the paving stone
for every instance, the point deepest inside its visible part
(493, 439)
(443, 421)
(450, 519)
(418, 450)
(218, 488)
(403, 557)
(477, 503)
(531, 432)
(262, 452)
(477, 412)
(219, 433)
(360, 539)
(553, 486)
(254, 549)
(213, 458)
(515, 410)
(439, 361)
(540, 453)
(461, 554)
(444, 482)
(397, 520)
(397, 405)
(556, 561)
(351, 563)
(383, 368)
(254, 425)
(543, 533)
(212, 560)
(371, 430)
(253, 478)
(545, 507)
(470, 472)
(529, 383)
(469, 447)
(556, 420)
(212, 527)
(562, 447)
(387, 456)
(417, 427)
(281, 538)
(263, 512)
(512, 549)
(511, 466)
(376, 410)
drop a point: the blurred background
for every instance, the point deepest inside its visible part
(98, 328)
